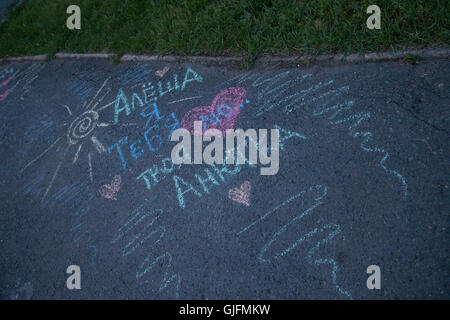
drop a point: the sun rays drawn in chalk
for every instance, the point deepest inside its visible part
(81, 134)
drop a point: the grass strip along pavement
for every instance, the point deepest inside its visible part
(248, 28)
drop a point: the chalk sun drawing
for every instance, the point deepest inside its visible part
(81, 131)
(241, 194)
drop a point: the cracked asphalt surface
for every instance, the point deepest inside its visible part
(88, 181)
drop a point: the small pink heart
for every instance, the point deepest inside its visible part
(220, 114)
(4, 83)
(162, 72)
(242, 194)
(4, 95)
(109, 191)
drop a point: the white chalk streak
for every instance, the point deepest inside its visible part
(98, 91)
(184, 99)
(106, 106)
(75, 158)
(271, 211)
(90, 167)
(98, 145)
(68, 109)
(104, 124)
(56, 173)
(39, 156)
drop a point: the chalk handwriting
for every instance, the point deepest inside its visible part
(147, 238)
(157, 173)
(273, 95)
(353, 120)
(150, 94)
(330, 231)
(152, 139)
(215, 175)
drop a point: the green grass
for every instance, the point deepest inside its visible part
(247, 28)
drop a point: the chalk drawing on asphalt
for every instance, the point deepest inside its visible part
(185, 99)
(275, 94)
(110, 190)
(141, 232)
(241, 194)
(162, 72)
(214, 115)
(81, 131)
(326, 232)
(20, 80)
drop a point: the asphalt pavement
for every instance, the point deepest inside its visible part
(88, 180)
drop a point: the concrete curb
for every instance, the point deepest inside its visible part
(62, 55)
(337, 58)
(40, 57)
(437, 53)
(199, 59)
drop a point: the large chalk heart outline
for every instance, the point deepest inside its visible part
(231, 97)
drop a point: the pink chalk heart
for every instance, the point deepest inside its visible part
(109, 191)
(241, 194)
(220, 114)
(4, 95)
(4, 83)
(162, 72)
